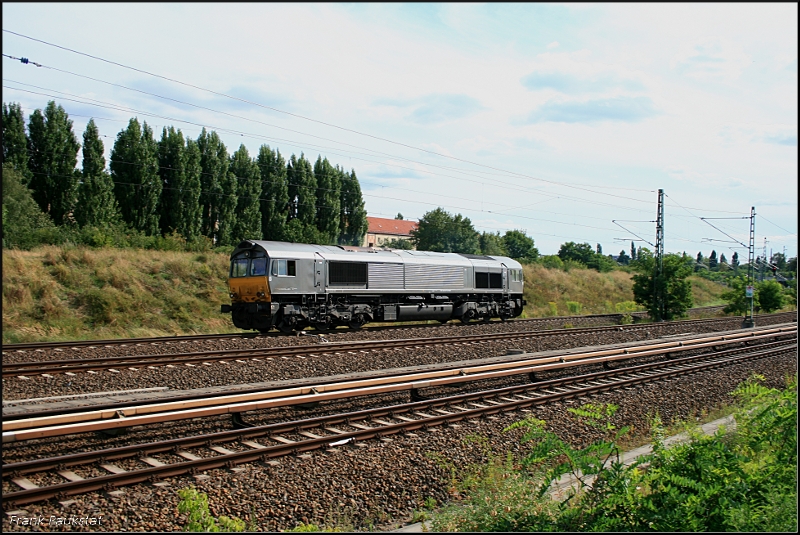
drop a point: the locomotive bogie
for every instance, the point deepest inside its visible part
(290, 286)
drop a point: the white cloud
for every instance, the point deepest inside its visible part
(711, 58)
(715, 87)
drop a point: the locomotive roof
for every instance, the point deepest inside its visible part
(276, 249)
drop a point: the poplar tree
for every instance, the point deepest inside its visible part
(229, 189)
(214, 164)
(328, 200)
(171, 170)
(15, 141)
(189, 225)
(712, 261)
(96, 204)
(248, 190)
(353, 223)
(53, 154)
(302, 190)
(179, 169)
(134, 168)
(274, 194)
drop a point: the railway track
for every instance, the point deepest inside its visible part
(92, 471)
(77, 344)
(207, 358)
(33, 426)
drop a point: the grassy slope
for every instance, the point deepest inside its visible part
(597, 293)
(63, 293)
(57, 293)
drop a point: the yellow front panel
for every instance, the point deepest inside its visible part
(249, 289)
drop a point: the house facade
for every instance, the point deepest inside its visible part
(381, 231)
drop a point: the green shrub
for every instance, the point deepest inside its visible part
(574, 307)
(195, 505)
(742, 481)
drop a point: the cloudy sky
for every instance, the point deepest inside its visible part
(554, 119)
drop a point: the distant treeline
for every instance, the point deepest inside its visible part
(178, 186)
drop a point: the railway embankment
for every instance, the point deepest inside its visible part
(72, 293)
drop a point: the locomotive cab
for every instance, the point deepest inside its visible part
(248, 287)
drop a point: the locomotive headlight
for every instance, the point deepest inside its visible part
(232, 295)
(260, 294)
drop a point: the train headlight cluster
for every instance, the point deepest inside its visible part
(232, 295)
(260, 294)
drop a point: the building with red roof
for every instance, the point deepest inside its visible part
(382, 231)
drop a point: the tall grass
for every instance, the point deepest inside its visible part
(76, 292)
(55, 293)
(552, 291)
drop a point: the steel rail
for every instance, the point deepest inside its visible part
(104, 363)
(57, 425)
(115, 406)
(449, 411)
(191, 338)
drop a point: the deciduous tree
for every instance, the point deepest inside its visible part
(353, 224)
(248, 191)
(96, 204)
(214, 164)
(440, 231)
(302, 189)
(22, 217)
(578, 252)
(712, 261)
(520, 246)
(328, 200)
(492, 244)
(137, 186)
(15, 140)
(770, 296)
(53, 154)
(735, 261)
(274, 193)
(672, 284)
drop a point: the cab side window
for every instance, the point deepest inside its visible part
(283, 268)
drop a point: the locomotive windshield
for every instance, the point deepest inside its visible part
(244, 266)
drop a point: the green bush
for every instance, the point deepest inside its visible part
(770, 296)
(195, 505)
(744, 481)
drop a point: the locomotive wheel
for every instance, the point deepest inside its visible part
(468, 315)
(285, 327)
(357, 322)
(323, 326)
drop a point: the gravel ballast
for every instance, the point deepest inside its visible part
(377, 484)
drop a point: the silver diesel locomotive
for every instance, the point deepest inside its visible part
(290, 286)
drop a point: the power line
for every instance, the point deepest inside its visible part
(780, 227)
(102, 104)
(504, 173)
(522, 175)
(130, 110)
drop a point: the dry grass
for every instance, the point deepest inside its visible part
(549, 290)
(57, 293)
(71, 293)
